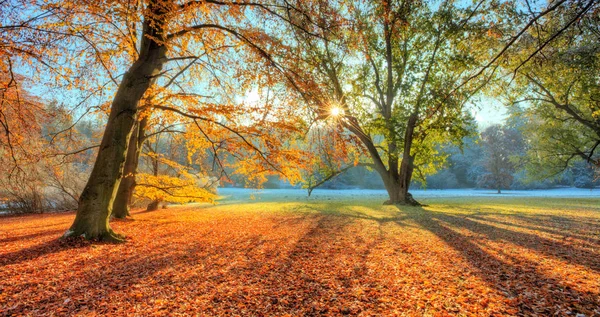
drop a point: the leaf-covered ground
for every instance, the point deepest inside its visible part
(471, 257)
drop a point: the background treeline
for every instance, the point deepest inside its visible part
(494, 157)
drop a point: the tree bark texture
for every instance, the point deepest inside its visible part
(124, 198)
(96, 200)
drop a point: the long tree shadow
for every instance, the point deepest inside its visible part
(42, 249)
(14, 238)
(534, 242)
(243, 273)
(567, 228)
(531, 291)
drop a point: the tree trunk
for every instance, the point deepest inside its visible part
(499, 191)
(153, 205)
(398, 186)
(396, 182)
(124, 198)
(96, 201)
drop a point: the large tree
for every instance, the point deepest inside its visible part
(187, 36)
(395, 75)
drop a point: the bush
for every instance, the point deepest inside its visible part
(25, 200)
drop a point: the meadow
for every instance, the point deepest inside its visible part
(469, 256)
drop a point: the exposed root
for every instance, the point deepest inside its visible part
(112, 237)
(408, 201)
(109, 236)
(117, 235)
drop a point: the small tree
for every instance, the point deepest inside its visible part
(500, 144)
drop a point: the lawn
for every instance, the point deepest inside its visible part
(456, 256)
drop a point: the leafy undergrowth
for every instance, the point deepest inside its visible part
(469, 257)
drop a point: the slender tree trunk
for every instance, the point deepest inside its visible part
(155, 163)
(96, 200)
(153, 205)
(124, 198)
(406, 172)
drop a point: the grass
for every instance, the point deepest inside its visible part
(464, 257)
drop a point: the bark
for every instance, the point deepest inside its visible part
(155, 165)
(96, 200)
(398, 183)
(124, 198)
(153, 205)
(397, 189)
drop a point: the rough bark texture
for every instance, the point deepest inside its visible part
(96, 201)
(124, 198)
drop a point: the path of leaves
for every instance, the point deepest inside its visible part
(312, 259)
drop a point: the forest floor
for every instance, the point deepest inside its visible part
(472, 256)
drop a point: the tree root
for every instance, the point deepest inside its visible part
(112, 237)
(408, 201)
(109, 236)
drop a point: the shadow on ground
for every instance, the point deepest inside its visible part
(315, 259)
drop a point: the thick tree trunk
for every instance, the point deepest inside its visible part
(397, 186)
(124, 198)
(96, 201)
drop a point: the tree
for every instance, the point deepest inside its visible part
(173, 168)
(175, 32)
(393, 75)
(560, 90)
(500, 143)
(124, 195)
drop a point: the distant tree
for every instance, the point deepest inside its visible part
(465, 161)
(499, 145)
(583, 175)
(443, 179)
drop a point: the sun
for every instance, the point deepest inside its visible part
(336, 112)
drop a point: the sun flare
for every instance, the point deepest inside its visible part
(336, 112)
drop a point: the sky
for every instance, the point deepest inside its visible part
(489, 112)
(486, 112)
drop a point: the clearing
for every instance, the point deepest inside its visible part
(481, 256)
